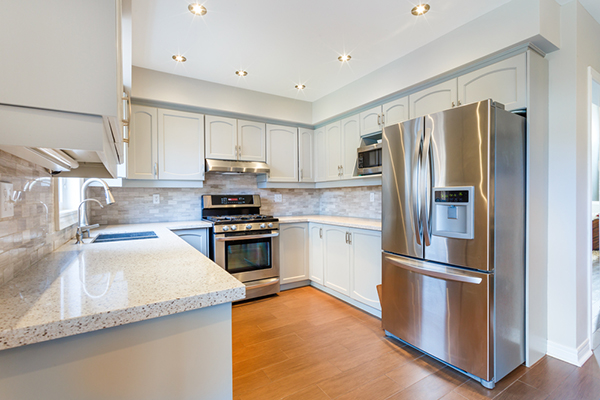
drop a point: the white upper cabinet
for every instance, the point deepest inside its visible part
(350, 143)
(395, 111)
(165, 144)
(221, 138)
(293, 252)
(504, 82)
(306, 155)
(433, 99)
(370, 121)
(180, 145)
(142, 156)
(333, 150)
(282, 153)
(320, 152)
(251, 141)
(366, 266)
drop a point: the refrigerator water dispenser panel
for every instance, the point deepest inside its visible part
(453, 212)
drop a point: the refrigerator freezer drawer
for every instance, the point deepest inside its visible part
(444, 311)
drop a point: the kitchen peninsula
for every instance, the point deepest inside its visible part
(73, 295)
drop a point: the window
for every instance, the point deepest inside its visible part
(68, 197)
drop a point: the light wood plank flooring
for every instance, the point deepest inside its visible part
(304, 344)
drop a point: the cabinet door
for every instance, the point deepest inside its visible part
(370, 121)
(197, 238)
(143, 142)
(431, 100)
(316, 253)
(504, 82)
(333, 150)
(282, 153)
(306, 155)
(320, 152)
(221, 138)
(180, 145)
(337, 259)
(366, 266)
(293, 252)
(251, 141)
(395, 111)
(350, 143)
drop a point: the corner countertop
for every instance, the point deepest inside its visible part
(92, 286)
(349, 222)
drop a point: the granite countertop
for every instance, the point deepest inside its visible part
(349, 222)
(83, 288)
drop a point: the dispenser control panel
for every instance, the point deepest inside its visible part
(453, 212)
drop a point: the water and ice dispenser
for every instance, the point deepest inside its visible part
(453, 212)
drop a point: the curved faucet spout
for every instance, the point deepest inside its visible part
(83, 217)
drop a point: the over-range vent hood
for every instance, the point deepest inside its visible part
(236, 167)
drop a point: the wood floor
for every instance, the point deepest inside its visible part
(306, 345)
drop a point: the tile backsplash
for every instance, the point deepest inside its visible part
(134, 205)
(30, 234)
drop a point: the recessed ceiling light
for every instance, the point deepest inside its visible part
(420, 9)
(300, 86)
(345, 57)
(241, 72)
(197, 9)
(179, 58)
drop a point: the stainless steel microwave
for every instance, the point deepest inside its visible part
(369, 159)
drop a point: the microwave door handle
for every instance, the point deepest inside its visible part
(245, 237)
(423, 269)
(425, 189)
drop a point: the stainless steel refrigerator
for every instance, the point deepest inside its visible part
(453, 237)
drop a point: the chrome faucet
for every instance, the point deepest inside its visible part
(82, 216)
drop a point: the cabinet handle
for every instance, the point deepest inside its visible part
(459, 102)
(320, 233)
(453, 105)
(154, 170)
(301, 174)
(378, 119)
(382, 119)
(127, 97)
(349, 238)
(346, 237)
(341, 170)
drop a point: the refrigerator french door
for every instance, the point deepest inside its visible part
(453, 237)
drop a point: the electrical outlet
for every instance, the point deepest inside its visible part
(278, 198)
(7, 208)
(372, 197)
(156, 198)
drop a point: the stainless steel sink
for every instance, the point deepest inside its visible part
(116, 237)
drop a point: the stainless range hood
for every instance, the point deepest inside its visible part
(236, 167)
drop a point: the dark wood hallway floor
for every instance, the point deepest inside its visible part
(306, 345)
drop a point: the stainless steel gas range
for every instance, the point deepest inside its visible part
(244, 242)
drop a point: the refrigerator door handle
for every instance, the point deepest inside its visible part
(425, 201)
(415, 190)
(422, 268)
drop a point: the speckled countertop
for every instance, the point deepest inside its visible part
(349, 222)
(83, 288)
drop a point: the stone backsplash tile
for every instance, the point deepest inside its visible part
(134, 205)
(29, 235)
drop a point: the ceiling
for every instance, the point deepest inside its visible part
(282, 43)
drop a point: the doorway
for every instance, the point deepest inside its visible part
(594, 274)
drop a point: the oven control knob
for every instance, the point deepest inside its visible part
(225, 228)
(249, 226)
(233, 227)
(263, 226)
(270, 225)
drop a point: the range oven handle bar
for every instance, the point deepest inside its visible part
(245, 237)
(421, 268)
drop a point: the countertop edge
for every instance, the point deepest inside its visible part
(291, 219)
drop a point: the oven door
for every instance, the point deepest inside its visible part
(248, 257)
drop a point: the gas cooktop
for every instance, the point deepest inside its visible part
(240, 218)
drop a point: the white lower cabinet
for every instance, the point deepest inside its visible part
(197, 238)
(337, 259)
(316, 252)
(293, 252)
(366, 266)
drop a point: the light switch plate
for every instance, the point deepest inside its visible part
(278, 198)
(7, 208)
(156, 198)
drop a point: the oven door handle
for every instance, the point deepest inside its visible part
(245, 237)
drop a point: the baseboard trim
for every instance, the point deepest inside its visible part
(596, 339)
(576, 356)
(294, 285)
(349, 300)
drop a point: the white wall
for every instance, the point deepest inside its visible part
(516, 22)
(569, 173)
(163, 87)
